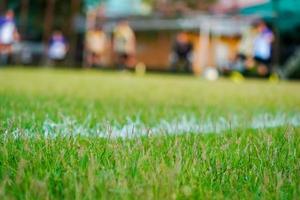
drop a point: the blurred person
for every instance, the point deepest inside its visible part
(255, 51)
(8, 36)
(124, 44)
(263, 49)
(57, 48)
(244, 57)
(246, 50)
(182, 51)
(96, 41)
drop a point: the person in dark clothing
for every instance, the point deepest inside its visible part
(182, 53)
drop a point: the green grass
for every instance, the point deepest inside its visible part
(239, 163)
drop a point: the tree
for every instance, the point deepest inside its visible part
(48, 20)
(24, 15)
(3, 6)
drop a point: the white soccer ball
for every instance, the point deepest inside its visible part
(211, 74)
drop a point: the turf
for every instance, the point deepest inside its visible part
(238, 163)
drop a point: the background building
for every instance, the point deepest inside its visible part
(156, 22)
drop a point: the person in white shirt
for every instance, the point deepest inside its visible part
(57, 48)
(8, 36)
(263, 49)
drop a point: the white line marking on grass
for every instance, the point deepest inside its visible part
(69, 127)
(182, 125)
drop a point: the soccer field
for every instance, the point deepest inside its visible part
(116, 135)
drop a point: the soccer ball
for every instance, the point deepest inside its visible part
(211, 74)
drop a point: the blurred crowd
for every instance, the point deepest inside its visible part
(255, 51)
(253, 57)
(57, 48)
(123, 45)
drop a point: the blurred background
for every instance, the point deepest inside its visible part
(192, 36)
